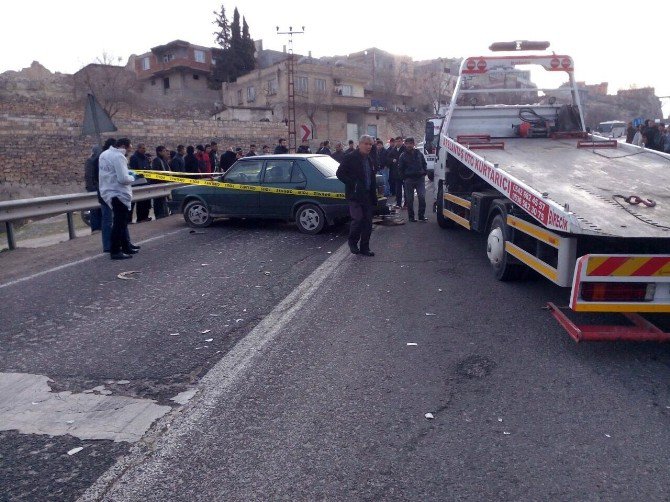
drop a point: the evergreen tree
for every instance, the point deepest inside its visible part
(248, 49)
(223, 70)
(237, 48)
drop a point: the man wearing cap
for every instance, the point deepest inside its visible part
(413, 169)
(357, 173)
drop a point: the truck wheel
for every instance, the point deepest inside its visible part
(196, 214)
(500, 260)
(442, 221)
(310, 219)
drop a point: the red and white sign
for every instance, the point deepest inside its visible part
(539, 208)
(307, 132)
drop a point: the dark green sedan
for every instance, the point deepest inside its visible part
(311, 213)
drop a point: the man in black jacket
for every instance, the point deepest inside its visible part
(140, 160)
(413, 168)
(357, 173)
(281, 147)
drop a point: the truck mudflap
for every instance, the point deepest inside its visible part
(626, 284)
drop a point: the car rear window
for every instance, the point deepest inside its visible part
(325, 165)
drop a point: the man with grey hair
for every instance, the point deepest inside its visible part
(358, 175)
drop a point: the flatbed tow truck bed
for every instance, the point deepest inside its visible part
(588, 179)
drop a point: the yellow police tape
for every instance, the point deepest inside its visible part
(153, 175)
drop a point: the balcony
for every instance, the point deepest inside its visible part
(351, 101)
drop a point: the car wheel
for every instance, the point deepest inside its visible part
(86, 216)
(310, 219)
(442, 221)
(501, 261)
(196, 214)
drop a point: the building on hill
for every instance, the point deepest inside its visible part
(177, 72)
(330, 99)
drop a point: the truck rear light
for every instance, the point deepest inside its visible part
(617, 291)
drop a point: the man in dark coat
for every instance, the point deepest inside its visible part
(281, 147)
(91, 178)
(413, 170)
(140, 160)
(228, 158)
(160, 163)
(191, 161)
(338, 154)
(358, 175)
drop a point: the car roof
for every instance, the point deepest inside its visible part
(282, 156)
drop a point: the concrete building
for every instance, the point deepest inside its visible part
(176, 73)
(331, 99)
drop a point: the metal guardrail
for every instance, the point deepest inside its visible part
(19, 209)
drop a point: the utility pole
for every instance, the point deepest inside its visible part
(292, 139)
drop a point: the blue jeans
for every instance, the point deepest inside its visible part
(95, 216)
(385, 174)
(106, 227)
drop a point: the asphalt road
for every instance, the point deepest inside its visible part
(309, 389)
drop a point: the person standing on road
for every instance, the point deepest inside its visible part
(228, 158)
(177, 163)
(382, 162)
(140, 160)
(281, 147)
(116, 191)
(252, 151)
(160, 163)
(214, 156)
(395, 151)
(338, 154)
(190, 160)
(413, 169)
(351, 146)
(91, 180)
(357, 173)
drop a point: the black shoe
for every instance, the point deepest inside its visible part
(423, 218)
(120, 256)
(367, 252)
(412, 218)
(130, 251)
(136, 248)
(354, 249)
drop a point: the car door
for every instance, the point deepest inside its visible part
(240, 202)
(284, 174)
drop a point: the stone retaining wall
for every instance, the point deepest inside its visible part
(45, 155)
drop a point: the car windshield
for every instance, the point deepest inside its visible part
(326, 165)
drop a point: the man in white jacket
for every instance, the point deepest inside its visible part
(115, 190)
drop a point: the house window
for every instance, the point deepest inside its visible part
(320, 85)
(301, 84)
(199, 56)
(146, 63)
(196, 77)
(239, 97)
(153, 81)
(272, 87)
(167, 58)
(347, 90)
(166, 83)
(251, 94)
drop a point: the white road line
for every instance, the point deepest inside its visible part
(78, 262)
(219, 380)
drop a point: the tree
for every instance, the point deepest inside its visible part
(236, 56)
(114, 86)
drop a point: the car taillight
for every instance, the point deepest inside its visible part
(617, 291)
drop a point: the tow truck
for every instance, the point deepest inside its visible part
(583, 211)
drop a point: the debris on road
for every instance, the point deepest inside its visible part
(429, 313)
(412, 344)
(123, 382)
(429, 416)
(210, 340)
(174, 334)
(205, 331)
(506, 433)
(127, 276)
(74, 451)
(196, 232)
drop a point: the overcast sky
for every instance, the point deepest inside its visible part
(609, 41)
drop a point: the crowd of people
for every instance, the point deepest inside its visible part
(650, 135)
(111, 171)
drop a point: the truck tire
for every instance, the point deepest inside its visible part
(501, 262)
(441, 220)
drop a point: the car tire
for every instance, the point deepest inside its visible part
(310, 219)
(501, 261)
(86, 216)
(197, 214)
(442, 220)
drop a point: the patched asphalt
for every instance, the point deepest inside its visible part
(334, 406)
